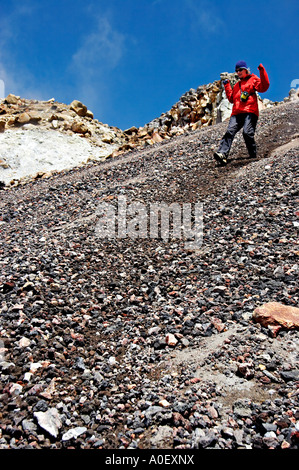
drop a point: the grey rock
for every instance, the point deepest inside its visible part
(29, 426)
(290, 375)
(242, 408)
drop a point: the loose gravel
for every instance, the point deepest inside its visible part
(140, 343)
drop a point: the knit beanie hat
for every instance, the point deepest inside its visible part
(241, 65)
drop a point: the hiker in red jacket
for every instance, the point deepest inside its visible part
(245, 110)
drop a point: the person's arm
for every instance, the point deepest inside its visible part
(228, 90)
(262, 84)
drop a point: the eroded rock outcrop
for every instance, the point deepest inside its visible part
(201, 107)
(205, 106)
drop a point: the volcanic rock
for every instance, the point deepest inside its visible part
(23, 118)
(78, 107)
(277, 315)
(11, 99)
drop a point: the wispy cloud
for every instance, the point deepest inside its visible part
(86, 75)
(91, 65)
(205, 16)
(100, 51)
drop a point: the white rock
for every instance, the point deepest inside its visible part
(74, 433)
(24, 342)
(27, 376)
(164, 403)
(30, 151)
(171, 339)
(15, 389)
(34, 366)
(154, 329)
(49, 421)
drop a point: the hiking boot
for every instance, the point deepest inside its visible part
(221, 158)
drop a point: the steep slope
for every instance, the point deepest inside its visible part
(140, 342)
(33, 133)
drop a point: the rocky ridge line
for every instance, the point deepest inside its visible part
(198, 108)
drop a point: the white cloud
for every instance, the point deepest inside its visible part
(98, 54)
(205, 16)
(100, 51)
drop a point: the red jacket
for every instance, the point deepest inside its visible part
(251, 84)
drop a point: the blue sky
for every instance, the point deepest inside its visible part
(131, 60)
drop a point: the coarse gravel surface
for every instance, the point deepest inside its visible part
(140, 343)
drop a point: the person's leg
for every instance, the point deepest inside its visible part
(248, 133)
(234, 125)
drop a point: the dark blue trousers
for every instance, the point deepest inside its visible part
(246, 120)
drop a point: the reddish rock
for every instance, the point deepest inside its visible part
(277, 316)
(217, 324)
